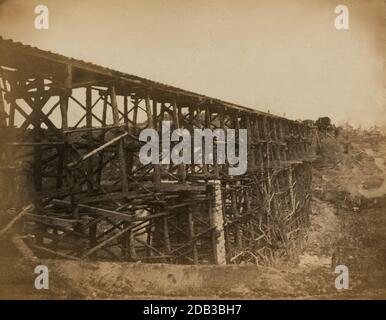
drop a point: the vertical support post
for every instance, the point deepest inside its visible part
(102, 139)
(267, 137)
(3, 114)
(5, 154)
(135, 114)
(261, 136)
(12, 104)
(93, 236)
(149, 239)
(236, 212)
(125, 242)
(125, 112)
(150, 123)
(251, 144)
(247, 206)
(133, 253)
(89, 173)
(166, 235)
(121, 151)
(276, 137)
(191, 130)
(38, 105)
(129, 155)
(191, 236)
(64, 98)
(291, 189)
(130, 160)
(282, 140)
(176, 122)
(154, 115)
(217, 222)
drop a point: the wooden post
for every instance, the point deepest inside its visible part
(251, 144)
(102, 138)
(37, 106)
(150, 123)
(191, 130)
(291, 189)
(166, 235)
(121, 152)
(260, 136)
(135, 114)
(247, 206)
(217, 221)
(237, 225)
(191, 236)
(176, 122)
(64, 110)
(282, 140)
(133, 253)
(90, 166)
(64, 98)
(3, 114)
(66, 155)
(149, 238)
(12, 104)
(59, 178)
(125, 112)
(154, 115)
(125, 242)
(93, 236)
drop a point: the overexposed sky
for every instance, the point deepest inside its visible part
(282, 56)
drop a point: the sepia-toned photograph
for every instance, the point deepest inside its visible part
(192, 150)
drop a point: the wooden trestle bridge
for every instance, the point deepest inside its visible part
(69, 145)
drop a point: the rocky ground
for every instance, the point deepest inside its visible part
(348, 227)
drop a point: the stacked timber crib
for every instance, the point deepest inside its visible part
(69, 145)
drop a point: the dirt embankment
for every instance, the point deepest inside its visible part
(348, 226)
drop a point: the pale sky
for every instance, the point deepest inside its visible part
(282, 56)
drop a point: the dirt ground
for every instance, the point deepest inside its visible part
(348, 227)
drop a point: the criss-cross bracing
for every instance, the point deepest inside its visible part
(69, 144)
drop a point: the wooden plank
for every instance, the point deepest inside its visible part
(104, 128)
(109, 240)
(56, 253)
(109, 213)
(60, 222)
(20, 215)
(97, 150)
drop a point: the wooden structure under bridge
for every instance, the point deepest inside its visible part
(69, 144)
